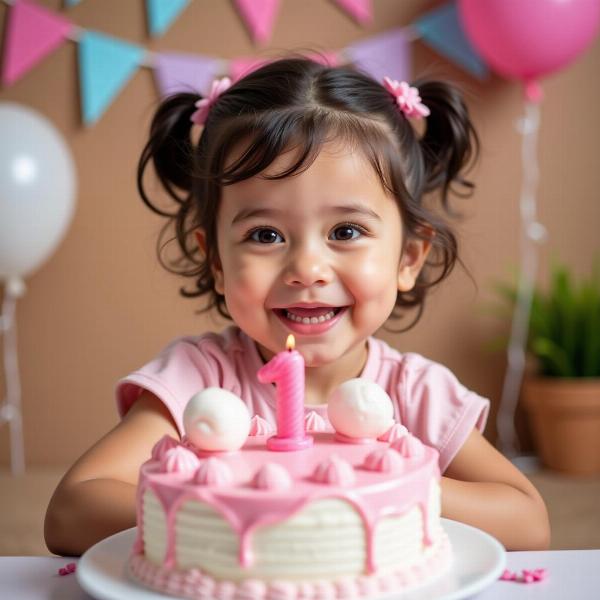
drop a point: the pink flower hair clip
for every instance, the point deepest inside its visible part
(407, 98)
(204, 105)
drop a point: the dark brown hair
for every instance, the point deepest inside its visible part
(299, 103)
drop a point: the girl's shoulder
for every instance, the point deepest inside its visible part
(386, 362)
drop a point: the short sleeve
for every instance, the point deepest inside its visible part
(437, 408)
(174, 376)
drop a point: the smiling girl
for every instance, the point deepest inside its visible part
(300, 210)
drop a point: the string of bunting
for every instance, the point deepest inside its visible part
(107, 63)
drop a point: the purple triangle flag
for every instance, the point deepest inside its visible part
(385, 55)
(177, 72)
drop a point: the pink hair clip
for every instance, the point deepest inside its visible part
(407, 98)
(204, 105)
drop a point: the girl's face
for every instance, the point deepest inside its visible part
(323, 246)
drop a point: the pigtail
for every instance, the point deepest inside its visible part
(170, 149)
(450, 141)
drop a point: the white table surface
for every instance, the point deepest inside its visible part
(572, 574)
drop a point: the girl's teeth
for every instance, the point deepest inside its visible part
(310, 320)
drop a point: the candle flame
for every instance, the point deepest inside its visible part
(290, 342)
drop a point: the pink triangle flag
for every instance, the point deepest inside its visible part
(360, 10)
(259, 17)
(32, 32)
(242, 66)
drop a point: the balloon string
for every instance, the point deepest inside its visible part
(532, 232)
(10, 409)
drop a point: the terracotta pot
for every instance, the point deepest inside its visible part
(565, 420)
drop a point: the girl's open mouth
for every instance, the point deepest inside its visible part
(306, 321)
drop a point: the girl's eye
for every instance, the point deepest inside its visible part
(346, 232)
(264, 235)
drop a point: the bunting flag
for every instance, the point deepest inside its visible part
(360, 10)
(106, 64)
(259, 17)
(441, 30)
(385, 55)
(238, 67)
(32, 32)
(162, 13)
(70, 3)
(176, 72)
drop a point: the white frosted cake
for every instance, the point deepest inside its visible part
(334, 520)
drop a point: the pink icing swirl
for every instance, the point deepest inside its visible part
(260, 426)
(334, 471)
(314, 422)
(213, 471)
(272, 476)
(165, 443)
(179, 460)
(384, 460)
(395, 432)
(409, 446)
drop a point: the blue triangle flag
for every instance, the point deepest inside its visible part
(70, 3)
(106, 64)
(161, 13)
(441, 30)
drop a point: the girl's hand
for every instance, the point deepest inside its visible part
(482, 488)
(96, 497)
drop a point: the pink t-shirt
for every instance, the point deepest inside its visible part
(428, 399)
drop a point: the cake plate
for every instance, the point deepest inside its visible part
(479, 560)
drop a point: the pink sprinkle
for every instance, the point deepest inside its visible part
(527, 576)
(508, 575)
(67, 569)
(540, 574)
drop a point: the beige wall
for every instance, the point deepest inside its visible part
(102, 306)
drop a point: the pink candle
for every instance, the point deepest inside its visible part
(286, 370)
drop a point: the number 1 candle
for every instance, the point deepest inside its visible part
(286, 370)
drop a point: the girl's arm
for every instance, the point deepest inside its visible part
(96, 497)
(482, 488)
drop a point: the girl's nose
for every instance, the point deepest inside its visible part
(307, 267)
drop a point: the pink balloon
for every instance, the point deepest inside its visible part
(527, 39)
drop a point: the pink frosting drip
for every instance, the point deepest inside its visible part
(335, 471)
(384, 460)
(197, 585)
(179, 460)
(272, 476)
(373, 496)
(260, 426)
(395, 432)
(213, 471)
(409, 446)
(165, 443)
(314, 422)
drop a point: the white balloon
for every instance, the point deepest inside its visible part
(37, 189)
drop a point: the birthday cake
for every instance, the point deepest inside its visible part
(226, 514)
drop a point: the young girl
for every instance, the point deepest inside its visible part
(299, 209)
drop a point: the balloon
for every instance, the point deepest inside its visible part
(37, 190)
(527, 39)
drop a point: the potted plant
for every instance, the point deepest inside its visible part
(562, 394)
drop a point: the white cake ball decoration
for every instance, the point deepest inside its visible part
(216, 420)
(360, 408)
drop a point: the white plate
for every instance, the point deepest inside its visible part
(478, 561)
